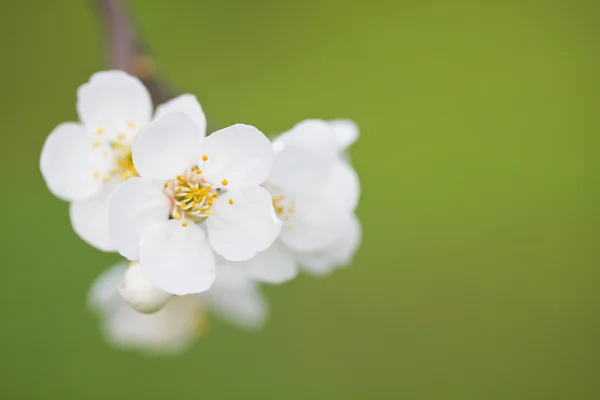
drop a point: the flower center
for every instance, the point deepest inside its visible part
(191, 196)
(283, 206)
(124, 168)
(118, 152)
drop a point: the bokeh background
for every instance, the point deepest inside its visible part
(479, 273)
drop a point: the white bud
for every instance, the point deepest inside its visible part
(139, 293)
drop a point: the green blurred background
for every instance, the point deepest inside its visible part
(479, 272)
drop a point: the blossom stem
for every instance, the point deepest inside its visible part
(126, 51)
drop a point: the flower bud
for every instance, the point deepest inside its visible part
(140, 293)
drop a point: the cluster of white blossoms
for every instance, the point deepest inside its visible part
(200, 219)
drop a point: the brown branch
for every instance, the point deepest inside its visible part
(126, 51)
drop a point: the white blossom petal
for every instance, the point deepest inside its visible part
(238, 154)
(70, 165)
(274, 265)
(103, 296)
(238, 231)
(166, 332)
(343, 186)
(346, 132)
(89, 218)
(167, 147)
(140, 293)
(187, 104)
(111, 100)
(136, 203)
(339, 254)
(177, 258)
(303, 155)
(310, 221)
(236, 299)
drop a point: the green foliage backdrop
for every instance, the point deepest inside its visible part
(479, 272)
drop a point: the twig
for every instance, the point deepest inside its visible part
(125, 50)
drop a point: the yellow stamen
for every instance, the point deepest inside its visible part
(215, 195)
(121, 136)
(184, 223)
(106, 178)
(130, 124)
(198, 171)
(224, 182)
(96, 143)
(166, 185)
(96, 174)
(230, 202)
(204, 157)
(99, 130)
(209, 212)
(176, 215)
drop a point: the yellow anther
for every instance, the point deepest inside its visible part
(96, 174)
(106, 178)
(202, 209)
(198, 171)
(215, 195)
(176, 215)
(121, 136)
(130, 124)
(184, 223)
(204, 157)
(96, 143)
(230, 202)
(209, 212)
(178, 190)
(208, 187)
(166, 185)
(99, 130)
(189, 195)
(224, 182)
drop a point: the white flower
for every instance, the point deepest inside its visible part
(314, 192)
(186, 179)
(175, 327)
(84, 162)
